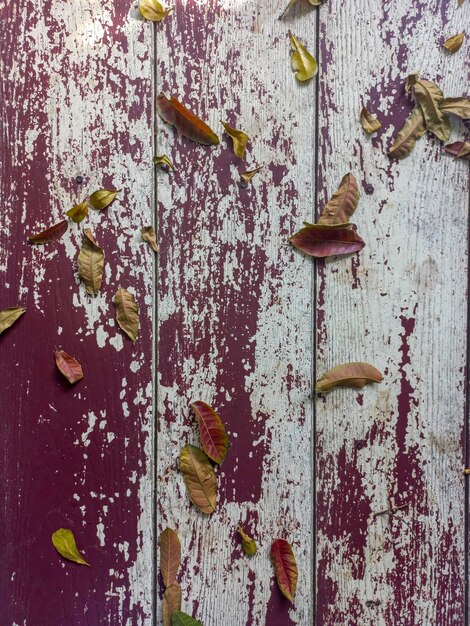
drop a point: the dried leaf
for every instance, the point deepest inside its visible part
(459, 149)
(102, 198)
(127, 313)
(91, 263)
(199, 478)
(430, 98)
(328, 241)
(406, 139)
(153, 11)
(181, 619)
(149, 235)
(188, 124)
(247, 176)
(50, 234)
(214, 439)
(303, 63)
(457, 106)
(78, 212)
(64, 542)
(171, 603)
(163, 160)
(9, 316)
(285, 568)
(314, 3)
(354, 375)
(453, 44)
(369, 122)
(239, 138)
(170, 556)
(343, 203)
(248, 544)
(460, 2)
(68, 366)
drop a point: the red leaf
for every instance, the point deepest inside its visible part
(211, 431)
(188, 124)
(285, 568)
(459, 149)
(68, 366)
(324, 242)
(50, 234)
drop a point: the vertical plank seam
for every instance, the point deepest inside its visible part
(466, 450)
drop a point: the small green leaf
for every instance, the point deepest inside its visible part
(181, 619)
(64, 542)
(102, 198)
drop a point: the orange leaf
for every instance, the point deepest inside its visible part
(50, 234)
(354, 375)
(170, 556)
(211, 431)
(188, 124)
(285, 568)
(68, 366)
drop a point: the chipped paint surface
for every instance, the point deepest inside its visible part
(76, 100)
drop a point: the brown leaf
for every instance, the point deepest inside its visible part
(50, 234)
(149, 235)
(430, 98)
(188, 124)
(239, 139)
(459, 149)
(327, 241)
(153, 11)
(171, 603)
(102, 198)
(78, 212)
(127, 313)
(246, 177)
(91, 263)
(163, 160)
(369, 122)
(406, 139)
(213, 436)
(248, 544)
(170, 556)
(64, 542)
(354, 375)
(285, 568)
(68, 366)
(199, 478)
(343, 203)
(457, 106)
(453, 44)
(9, 316)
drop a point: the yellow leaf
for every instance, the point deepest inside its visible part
(91, 263)
(148, 235)
(127, 313)
(248, 544)
(453, 44)
(9, 316)
(199, 478)
(78, 212)
(457, 106)
(153, 11)
(303, 64)
(64, 542)
(369, 122)
(102, 198)
(247, 176)
(239, 138)
(163, 160)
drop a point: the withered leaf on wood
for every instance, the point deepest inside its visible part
(246, 177)
(457, 106)
(406, 139)
(429, 97)
(149, 235)
(327, 241)
(453, 44)
(170, 556)
(63, 541)
(127, 313)
(9, 316)
(188, 124)
(303, 63)
(248, 544)
(78, 212)
(343, 203)
(68, 366)
(91, 263)
(153, 11)
(163, 160)
(354, 375)
(239, 139)
(102, 198)
(369, 122)
(50, 234)
(212, 433)
(285, 568)
(459, 149)
(171, 603)
(199, 478)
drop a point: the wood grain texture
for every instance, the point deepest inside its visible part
(400, 305)
(235, 303)
(76, 87)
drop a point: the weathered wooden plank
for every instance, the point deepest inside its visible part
(76, 86)
(401, 305)
(235, 303)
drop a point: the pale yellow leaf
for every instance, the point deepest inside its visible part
(64, 542)
(369, 122)
(9, 316)
(303, 63)
(453, 44)
(153, 11)
(127, 313)
(91, 263)
(239, 138)
(102, 198)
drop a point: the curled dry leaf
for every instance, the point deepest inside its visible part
(285, 568)
(248, 544)
(9, 316)
(343, 203)
(182, 619)
(50, 234)
(102, 198)
(314, 3)
(459, 149)
(163, 160)
(239, 138)
(91, 263)
(171, 603)
(327, 241)
(246, 177)
(303, 63)
(78, 212)
(188, 124)
(64, 542)
(355, 375)
(68, 366)
(406, 139)
(453, 44)
(149, 235)
(170, 556)
(369, 122)
(213, 436)
(153, 11)
(430, 98)
(457, 106)
(199, 478)
(127, 313)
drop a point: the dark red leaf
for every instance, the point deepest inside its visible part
(459, 149)
(211, 431)
(285, 568)
(50, 234)
(324, 242)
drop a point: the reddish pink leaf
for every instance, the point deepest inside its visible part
(68, 366)
(459, 149)
(211, 431)
(285, 568)
(324, 242)
(188, 124)
(50, 234)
